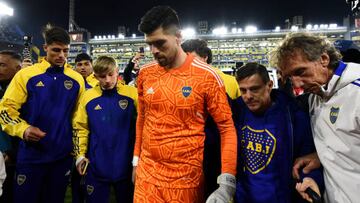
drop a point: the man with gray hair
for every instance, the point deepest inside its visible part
(314, 64)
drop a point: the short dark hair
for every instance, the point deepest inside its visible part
(12, 54)
(251, 69)
(159, 16)
(82, 57)
(198, 46)
(53, 34)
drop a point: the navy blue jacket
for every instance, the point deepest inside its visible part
(268, 145)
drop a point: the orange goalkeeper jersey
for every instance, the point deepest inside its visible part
(173, 107)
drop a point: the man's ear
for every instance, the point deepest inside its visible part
(45, 47)
(270, 84)
(178, 37)
(324, 60)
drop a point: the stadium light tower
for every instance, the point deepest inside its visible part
(6, 10)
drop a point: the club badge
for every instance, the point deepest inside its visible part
(258, 148)
(186, 91)
(334, 113)
(123, 103)
(68, 84)
(21, 179)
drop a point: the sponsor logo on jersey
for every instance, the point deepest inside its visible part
(40, 84)
(123, 103)
(21, 179)
(97, 107)
(68, 84)
(334, 113)
(258, 148)
(150, 91)
(186, 91)
(89, 189)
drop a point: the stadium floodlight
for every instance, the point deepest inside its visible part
(324, 26)
(133, 35)
(250, 29)
(309, 27)
(112, 36)
(121, 36)
(96, 37)
(294, 28)
(220, 31)
(6, 10)
(316, 26)
(234, 30)
(277, 29)
(104, 36)
(239, 30)
(332, 26)
(188, 33)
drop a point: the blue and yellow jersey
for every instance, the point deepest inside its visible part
(91, 81)
(44, 97)
(104, 130)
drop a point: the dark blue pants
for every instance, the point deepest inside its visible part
(99, 191)
(77, 186)
(42, 182)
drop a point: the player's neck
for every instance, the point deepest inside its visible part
(179, 59)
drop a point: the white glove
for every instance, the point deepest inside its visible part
(226, 190)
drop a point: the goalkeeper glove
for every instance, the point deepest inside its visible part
(226, 190)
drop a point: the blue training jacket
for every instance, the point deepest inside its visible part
(104, 130)
(44, 97)
(268, 144)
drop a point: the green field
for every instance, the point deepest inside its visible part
(68, 196)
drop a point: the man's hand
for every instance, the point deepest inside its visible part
(226, 190)
(307, 182)
(308, 163)
(82, 166)
(33, 134)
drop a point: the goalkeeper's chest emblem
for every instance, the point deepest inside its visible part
(186, 91)
(258, 147)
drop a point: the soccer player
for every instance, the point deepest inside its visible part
(313, 63)
(37, 107)
(176, 95)
(212, 155)
(273, 131)
(104, 130)
(83, 65)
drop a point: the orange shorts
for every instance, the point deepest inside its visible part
(148, 193)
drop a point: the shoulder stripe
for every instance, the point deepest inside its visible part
(210, 69)
(149, 64)
(357, 83)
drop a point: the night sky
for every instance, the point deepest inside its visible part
(104, 16)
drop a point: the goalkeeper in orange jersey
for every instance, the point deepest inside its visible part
(177, 93)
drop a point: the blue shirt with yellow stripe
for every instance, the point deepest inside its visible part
(104, 130)
(42, 96)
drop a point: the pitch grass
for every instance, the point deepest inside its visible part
(68, 195)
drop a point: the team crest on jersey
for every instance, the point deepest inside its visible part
(258, 147)
(334, 113)
(186, 91)
(89, 189)
(123, 103)
(68, 84)
(21, 179)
